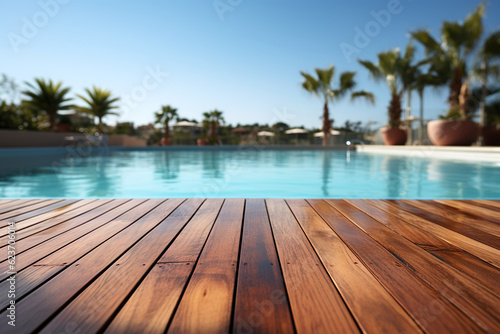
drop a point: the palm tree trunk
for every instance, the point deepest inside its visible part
(408, 120)
(421, 126)
(395, 110)
(455, 86)
(212, 130)
(326, 124)
(482, 115)
(99, 125)
(167, 132)
(52, 121)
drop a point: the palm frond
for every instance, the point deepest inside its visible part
(347, 81)
(325, 76)
(430, 44)
(373, 69)
(364, 95)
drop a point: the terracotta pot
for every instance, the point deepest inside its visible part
(491, 135)
(393, 136)
(452, 132)
(64, 127)
(166, 141)
(203, 142)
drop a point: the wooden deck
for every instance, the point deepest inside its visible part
(252, 266)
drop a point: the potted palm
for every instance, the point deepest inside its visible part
(390, 69)
(164, 116)
(458, 41)
(64, 124)
(321, 87)
(491, 130)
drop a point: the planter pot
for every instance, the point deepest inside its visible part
(203, 142)
(452, 132)
(64, 127)
(393, 136)
(166, 141)
(491, 135)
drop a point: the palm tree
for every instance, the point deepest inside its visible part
(489, 53)
(47, 97)
(99, 103)
(321, 87)
(458, 41)
(213, 119)
(390, 69)
(164, 116)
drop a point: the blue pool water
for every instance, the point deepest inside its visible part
(250, 173)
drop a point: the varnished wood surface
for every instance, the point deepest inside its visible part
(252, 266)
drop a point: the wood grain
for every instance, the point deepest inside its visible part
(441, 249)
(261, 304)
(373, 307)
(43, 302)
(484, 252)
(433, 313)
(462, 291)
(317, 306)
(91, 309)
(158, 294)
(492, 215)
(206, 305)
(49, 229)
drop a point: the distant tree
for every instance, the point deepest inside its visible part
(9, 89)
(124, 128)
(321, 86)
(100, 104)
(164, 116)
(47, 97)
(213, 119)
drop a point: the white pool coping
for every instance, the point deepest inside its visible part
(471, 153)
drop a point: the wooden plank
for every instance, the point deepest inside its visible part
(53, 227)
(207, 302)
(158, 294)
(373, 307)
(40, 251)
(41, 213)
(483, 272)
(99, 230)
(463, 229)
(316, 305)
(492, 215)
(7, 202)
(489, 204)
(465, 293)
(91, 309)
(21, 203)
(484, 252)
(261, 304)
(458, 217)
(42, 303)
(27, 212)
(433, 312)
(21, 226)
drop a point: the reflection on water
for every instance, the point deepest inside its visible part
(246, 173)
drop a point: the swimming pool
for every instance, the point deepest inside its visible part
(241, 172)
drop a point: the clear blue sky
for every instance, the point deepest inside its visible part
(246, 64)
